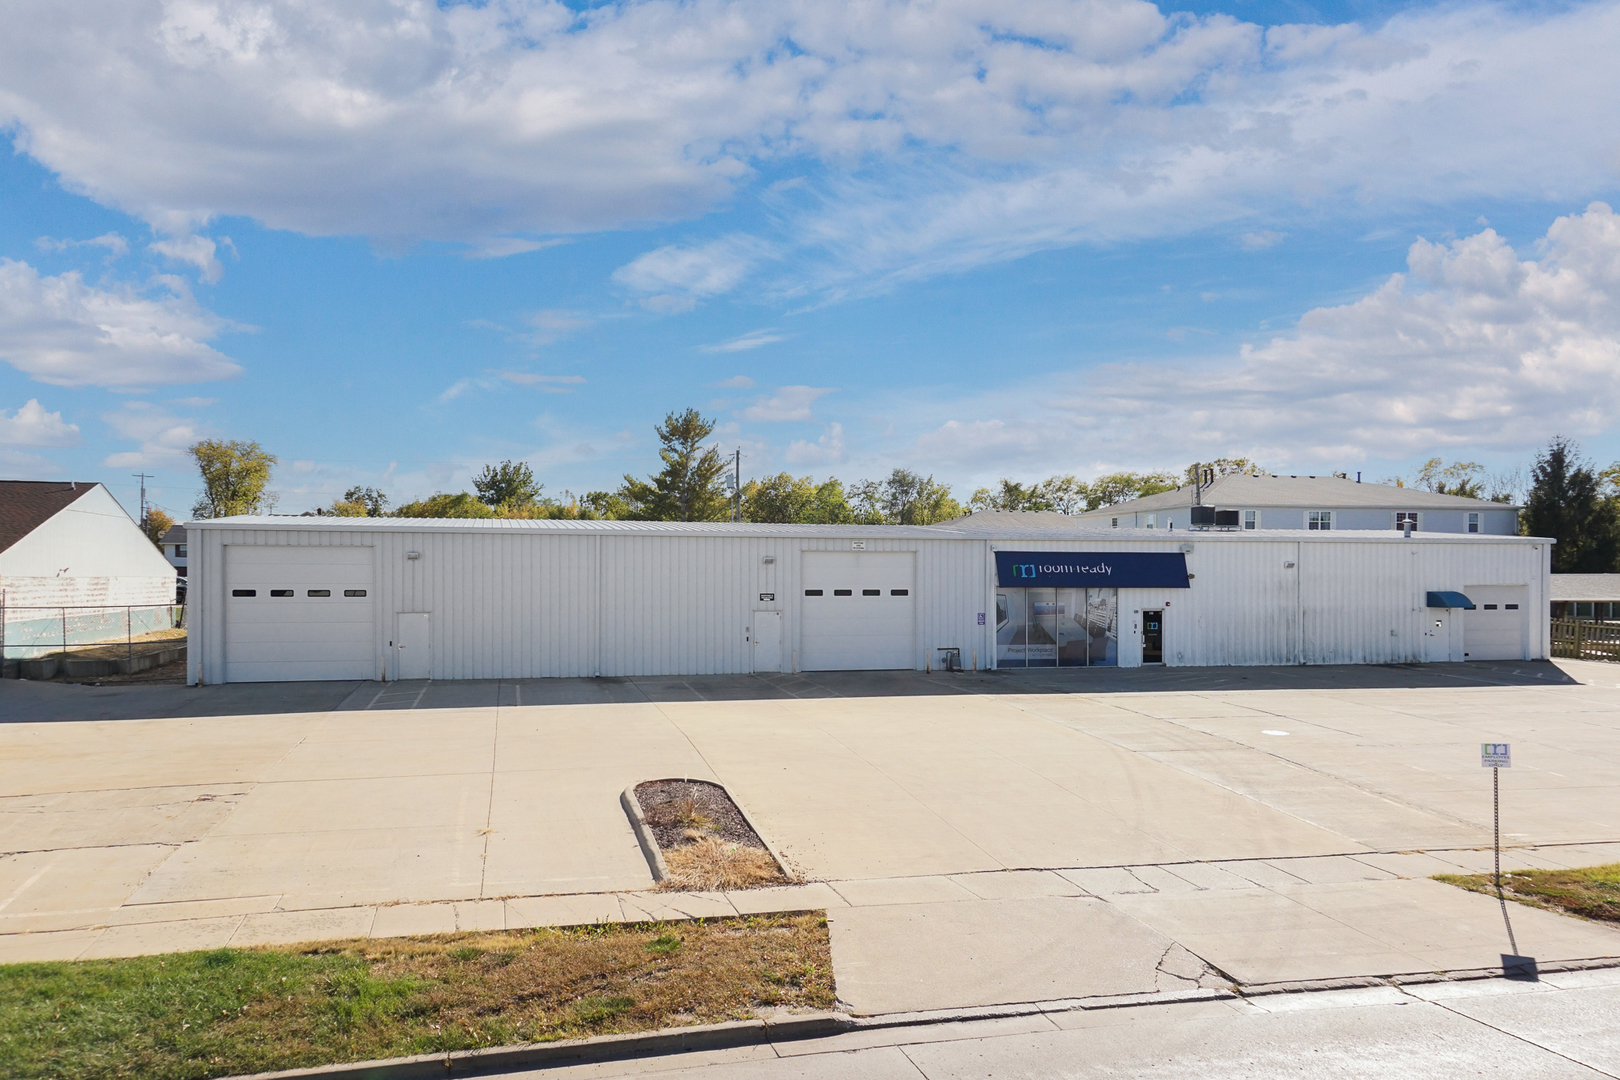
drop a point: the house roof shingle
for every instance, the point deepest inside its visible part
(25, 505)
(1586, 587)
(1306, 492)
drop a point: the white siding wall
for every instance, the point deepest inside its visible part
(90, 553)
(533, 603)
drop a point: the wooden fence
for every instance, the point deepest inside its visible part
(1573, 640)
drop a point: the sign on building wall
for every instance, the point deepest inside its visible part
(1091, 570)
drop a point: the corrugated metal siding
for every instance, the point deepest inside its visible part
(509, 603)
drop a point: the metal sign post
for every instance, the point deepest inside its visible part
(1496, 757)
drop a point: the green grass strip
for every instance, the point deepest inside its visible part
(230, 1011)
(1591, 892)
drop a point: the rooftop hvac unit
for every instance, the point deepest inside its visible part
(1226, 519)
(1203, 516)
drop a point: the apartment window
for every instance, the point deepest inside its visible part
(1251, 519)
(1403, 517)
(1152, 521)
(180, 549)
(1473, 522)
(1319, 519)
(1113, 523)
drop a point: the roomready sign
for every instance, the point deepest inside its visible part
(1091, 570)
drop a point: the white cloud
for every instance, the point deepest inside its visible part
(163, 437)
(1259, 241)
(490, 380)
(1473, 348)
(20, 466)
(924, 137)
(788, 403)
(31, 425)
(680, 276)
(195, 251)
(61, 331)
(736, 382)
(500, 247)
(826, 450)
(117, 247)
(751, 340)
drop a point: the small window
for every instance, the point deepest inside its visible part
(1113, 523)
(1251, 519)
(841, 592)
(1403, 517)
(871, 592)
(244, 592)
(1319, 519)
(1152, 521)
(1473, 524)
(1510, 607)
(180, 549)
(354, 592)
(1490, 607)
(812, 592)
(281, 592)
(320, 592)
(899, 592)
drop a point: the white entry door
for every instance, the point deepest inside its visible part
(413, 645)
(858, 611)
(767, 636)
(1499, 626)
(295, 613)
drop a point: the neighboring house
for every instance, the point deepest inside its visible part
(1315, 503)
(174, 548)
(1586, 597)
(71, 562)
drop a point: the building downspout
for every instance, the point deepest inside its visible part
(598, 605)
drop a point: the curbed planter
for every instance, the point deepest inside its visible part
(647, 834)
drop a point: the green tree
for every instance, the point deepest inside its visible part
(780, 499)
(1458, 478)
(235, 475)
(156, 524)
(832, 505)
(1059, 494)
(440, 505)
(507, 484)
(605, 505)
(1122, 486)
(905, 498)
(1566, 504)
(361, 502)
(1223, 467)
(688, 488)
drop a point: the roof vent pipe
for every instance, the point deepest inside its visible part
(1358, 476)
(1407, 529)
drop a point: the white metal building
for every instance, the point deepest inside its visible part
(387, 598)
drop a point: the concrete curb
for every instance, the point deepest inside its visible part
(644, 835)
(576, 1051)
(822, 1025)
(655, 855)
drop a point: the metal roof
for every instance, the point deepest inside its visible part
(1585, 587)
(1069, 528)
(1305, 493)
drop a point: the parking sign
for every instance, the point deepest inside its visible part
(1495, 755)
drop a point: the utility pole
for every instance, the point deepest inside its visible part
(736, 485)
(144, 477)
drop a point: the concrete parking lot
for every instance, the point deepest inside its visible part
(976, 838)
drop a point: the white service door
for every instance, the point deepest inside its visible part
(767, 633)
(1499, 626)
(413, 645)
(858, 611)
(299, 613)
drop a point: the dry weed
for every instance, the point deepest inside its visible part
(683, 812)
(709, 864)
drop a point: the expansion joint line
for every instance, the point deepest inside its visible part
(1514, 1035)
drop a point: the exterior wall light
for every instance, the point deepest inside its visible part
(413, 555)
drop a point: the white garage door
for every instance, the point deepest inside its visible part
(859, 611)
(1498, 627)
(294, 613)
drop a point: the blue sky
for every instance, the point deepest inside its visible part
(393, 241)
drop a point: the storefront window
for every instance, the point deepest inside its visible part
(1057, 627)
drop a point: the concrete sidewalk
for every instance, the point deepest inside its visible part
(975, 839)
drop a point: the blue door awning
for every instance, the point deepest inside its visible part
(1450, 599)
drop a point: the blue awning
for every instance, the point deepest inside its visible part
(1450, 599)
